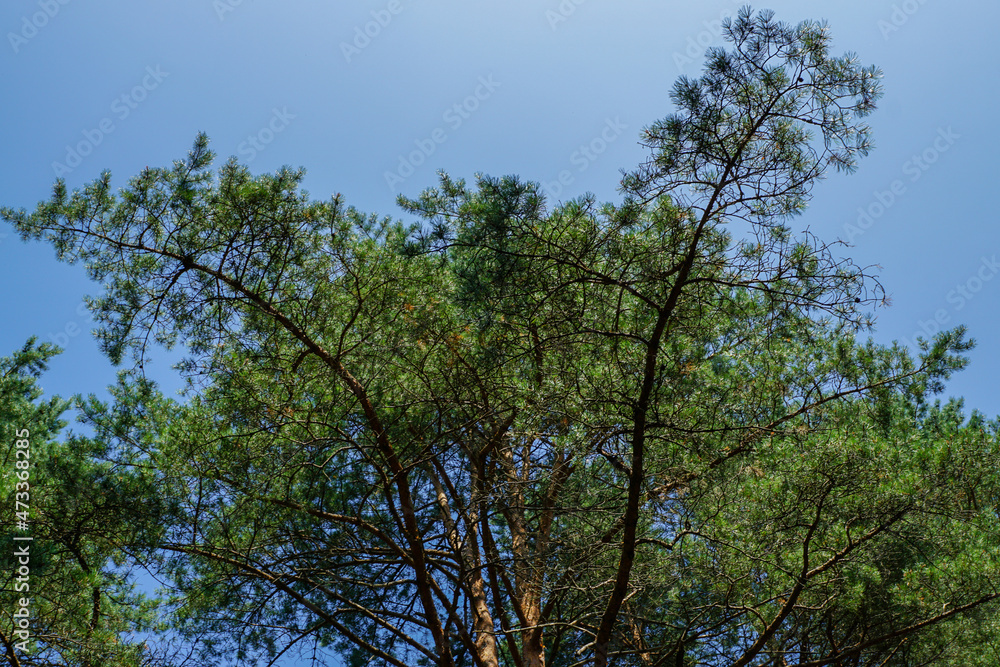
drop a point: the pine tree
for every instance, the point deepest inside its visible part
(531, 433)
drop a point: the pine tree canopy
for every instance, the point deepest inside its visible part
(514, 431)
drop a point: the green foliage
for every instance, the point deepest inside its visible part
(529, 433)
(80, 514)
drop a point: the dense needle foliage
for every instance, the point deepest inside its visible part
(523, 432)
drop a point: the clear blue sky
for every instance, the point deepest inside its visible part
(373, 97)
(364, 96)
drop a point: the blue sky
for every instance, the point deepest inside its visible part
(373, 97)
